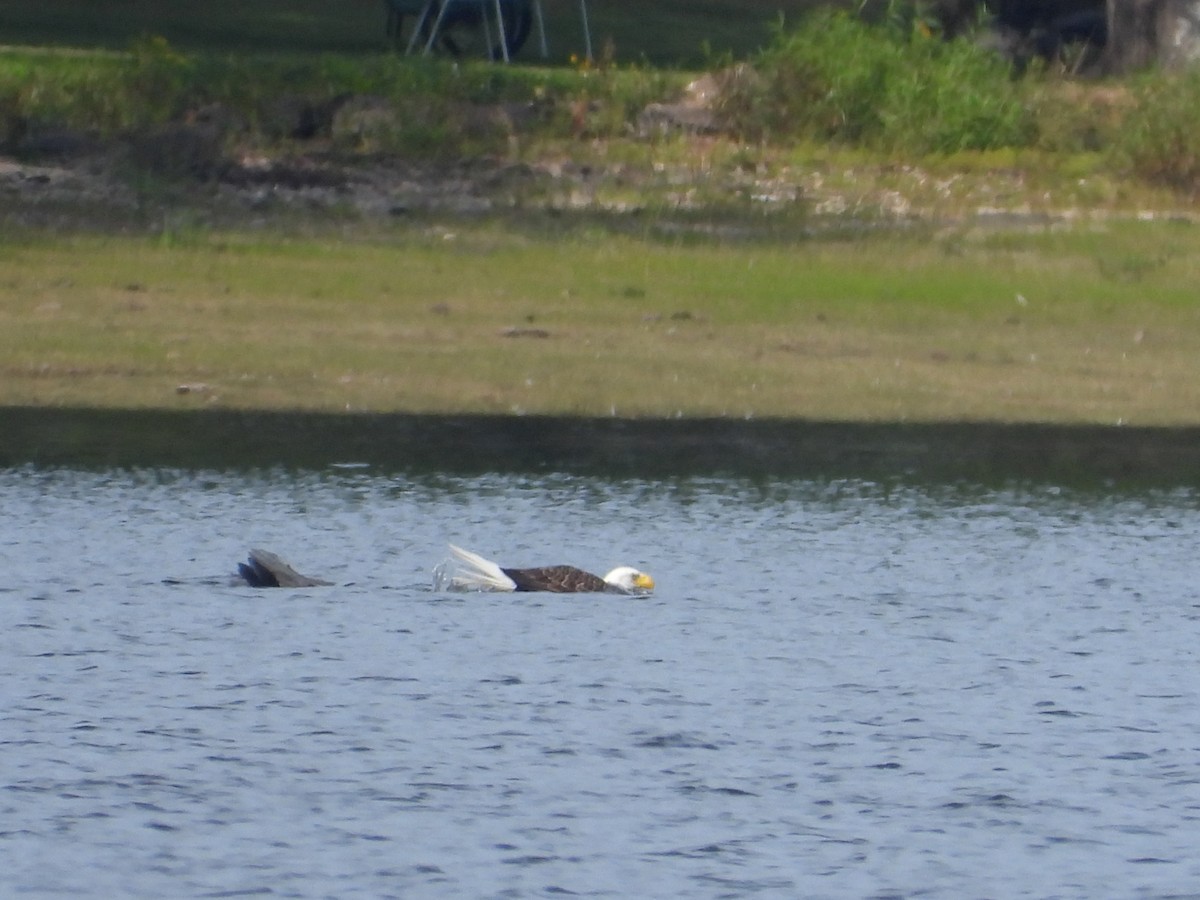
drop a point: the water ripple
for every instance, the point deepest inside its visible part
(837, 691)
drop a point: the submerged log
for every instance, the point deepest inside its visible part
(266, 569)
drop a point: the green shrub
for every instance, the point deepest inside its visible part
(950, 96)
(838, 78)
(822, 81)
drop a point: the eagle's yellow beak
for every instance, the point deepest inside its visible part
(643, 582)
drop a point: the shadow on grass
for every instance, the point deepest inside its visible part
(985, 453)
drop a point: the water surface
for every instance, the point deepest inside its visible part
(839, 689)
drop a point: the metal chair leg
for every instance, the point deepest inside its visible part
(442, 8)
(433, 33)
(541, 26)
(503, 34)
(587, 31)
(420, 23)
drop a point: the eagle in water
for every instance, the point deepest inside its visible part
(474, 573)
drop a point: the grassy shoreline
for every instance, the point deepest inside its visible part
(1081, 326)
(368, 233)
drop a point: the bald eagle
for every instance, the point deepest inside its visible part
(474, 573)
(265, 569)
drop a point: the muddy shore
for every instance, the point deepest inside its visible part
(65, 181)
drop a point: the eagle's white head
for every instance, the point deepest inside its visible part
(630, 580)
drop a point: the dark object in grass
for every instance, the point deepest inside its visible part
(460, 24)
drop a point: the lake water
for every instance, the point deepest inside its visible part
(840, 689)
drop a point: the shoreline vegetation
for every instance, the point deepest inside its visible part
(807, 234)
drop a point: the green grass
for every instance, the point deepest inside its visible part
(572, 318)
(1080, 328)
(831, 81)
(667, 32)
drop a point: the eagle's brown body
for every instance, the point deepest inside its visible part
(558, 580)
(469, 571)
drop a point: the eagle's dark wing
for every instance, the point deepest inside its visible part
(265, 569)
(557, 580)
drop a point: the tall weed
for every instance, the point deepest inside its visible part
(1161, 138)
(949, 96)
(158, 82)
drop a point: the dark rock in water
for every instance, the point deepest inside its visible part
(265, 569)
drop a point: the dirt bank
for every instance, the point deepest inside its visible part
(668, 173)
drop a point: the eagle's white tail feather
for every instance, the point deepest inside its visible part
(478, 574)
